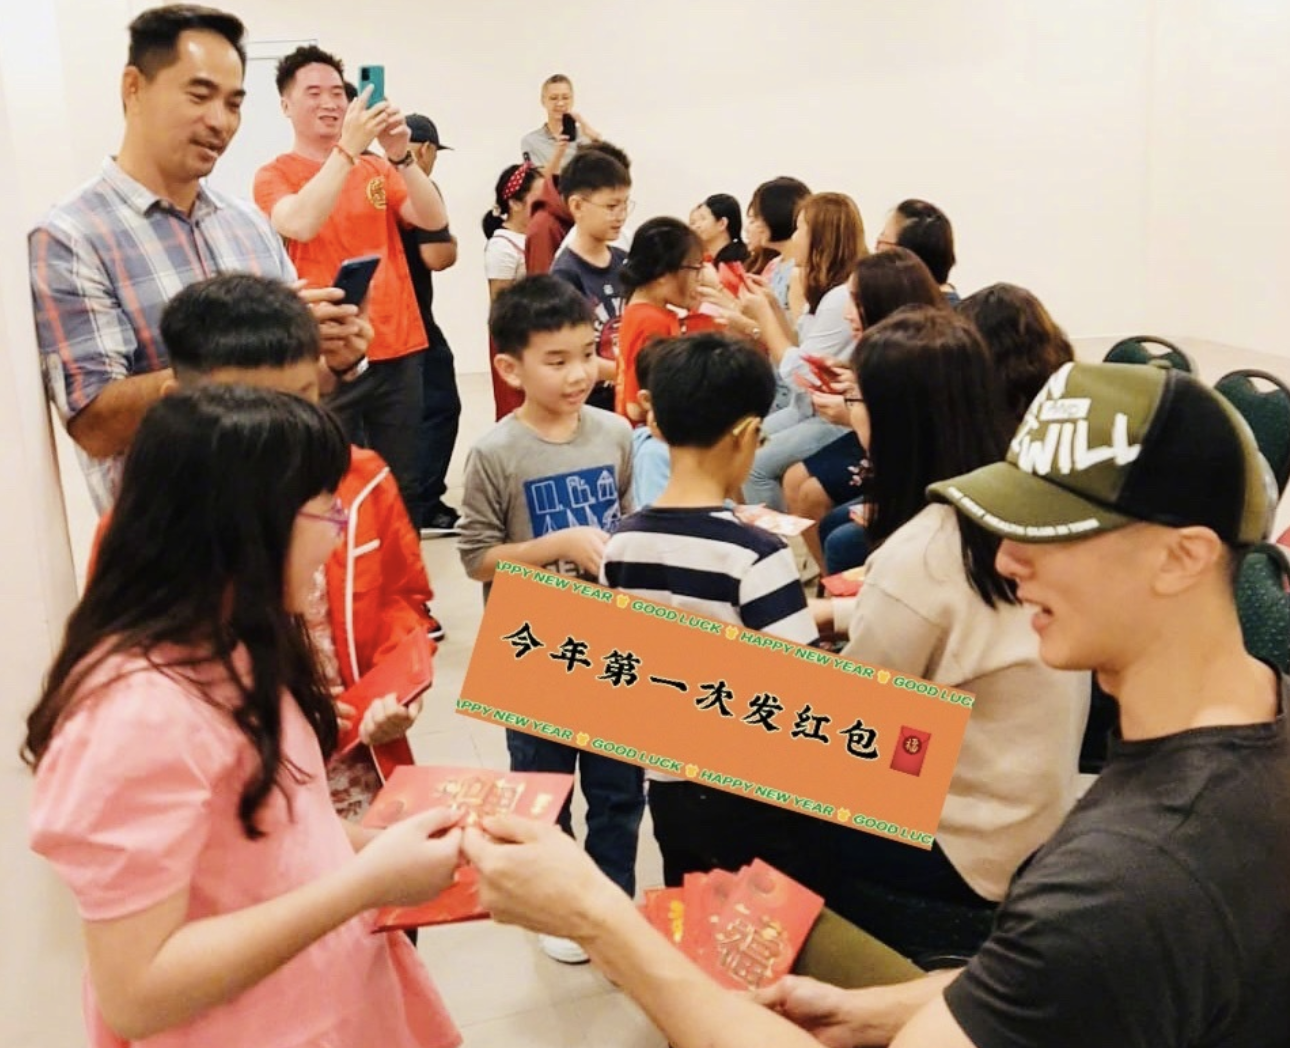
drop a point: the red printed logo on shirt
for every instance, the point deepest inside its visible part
(911, 749)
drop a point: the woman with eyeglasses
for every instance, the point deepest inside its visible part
(179, 748)
(934, 606)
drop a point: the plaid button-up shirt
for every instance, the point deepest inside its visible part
(103, 266)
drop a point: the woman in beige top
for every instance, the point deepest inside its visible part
(934, 606)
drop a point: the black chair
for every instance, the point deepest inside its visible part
(1137, 350)
(1263, 604)
(1268, 413)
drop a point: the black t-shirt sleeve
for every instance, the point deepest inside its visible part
(1105, 941)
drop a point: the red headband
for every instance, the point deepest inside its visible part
(516, 180)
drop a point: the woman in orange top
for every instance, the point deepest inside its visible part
(661, 280)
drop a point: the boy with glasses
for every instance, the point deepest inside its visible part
(708, 396)
(597, 190)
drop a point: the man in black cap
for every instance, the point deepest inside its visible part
(430, 251)
(1159, 912)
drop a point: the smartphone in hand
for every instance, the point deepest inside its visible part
(355, 278)
(374, 75)
(569, 127)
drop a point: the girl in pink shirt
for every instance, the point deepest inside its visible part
(179, 752)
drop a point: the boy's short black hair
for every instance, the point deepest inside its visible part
(701, 385)
(154, 35)
(534, 305)
(238, 320)
(645, 363)
(307, 54)
(590, 170)
(609, 149)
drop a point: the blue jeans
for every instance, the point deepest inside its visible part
(786, 446)
(615, 794)
(846, 544)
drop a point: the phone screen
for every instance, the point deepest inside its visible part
(374, 75)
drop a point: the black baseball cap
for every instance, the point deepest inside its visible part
(423, 130)
(1106, 445)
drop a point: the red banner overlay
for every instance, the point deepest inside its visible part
(718, 704)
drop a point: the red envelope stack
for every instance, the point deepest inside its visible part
(744, 929)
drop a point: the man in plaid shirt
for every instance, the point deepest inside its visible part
(105, 263)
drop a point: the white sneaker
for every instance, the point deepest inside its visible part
(566, 951)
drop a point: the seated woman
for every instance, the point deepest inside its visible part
(1025, 342)
(719, 224)
(933, 605)
(925, 230)
(832, 476)
(827, 245)
(772, 218)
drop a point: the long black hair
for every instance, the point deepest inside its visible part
(723, 205)
(195, 556)
(518, 179)
(934, 412)
(661, 246)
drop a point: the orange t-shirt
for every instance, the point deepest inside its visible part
(363, 222)
(641, 324)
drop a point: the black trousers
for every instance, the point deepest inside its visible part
(437, 434)
(381, 410)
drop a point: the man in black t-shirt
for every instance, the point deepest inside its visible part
(430, 252)
(1158, 915)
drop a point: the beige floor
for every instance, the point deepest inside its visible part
(498, 986)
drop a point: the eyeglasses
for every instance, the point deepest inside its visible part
(614, 210)
(337, 516)
(751, 420)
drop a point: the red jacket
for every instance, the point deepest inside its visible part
(377, 587)
(548, 227)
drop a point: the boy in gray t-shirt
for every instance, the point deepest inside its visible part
(545, 487)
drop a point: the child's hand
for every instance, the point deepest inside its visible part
(387, 720)
(585, 546)
(412, 861)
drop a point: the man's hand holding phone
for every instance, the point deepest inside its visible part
(362, 125)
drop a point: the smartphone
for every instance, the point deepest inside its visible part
(355, 277)
(822, 371)
(569, 127)
(374, 75)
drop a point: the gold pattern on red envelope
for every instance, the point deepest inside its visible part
(482, 793)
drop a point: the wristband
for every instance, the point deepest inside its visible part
(352, 372)
(338, 148)
(403, 161)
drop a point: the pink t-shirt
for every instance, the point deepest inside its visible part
(136, 799)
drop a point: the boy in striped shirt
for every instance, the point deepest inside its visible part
(709, 394)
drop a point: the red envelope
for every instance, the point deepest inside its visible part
(482, 792)
(405, 673)
(910, 751)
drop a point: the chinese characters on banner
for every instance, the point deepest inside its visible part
(715, 703)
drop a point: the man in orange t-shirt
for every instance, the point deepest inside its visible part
(331, 200)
